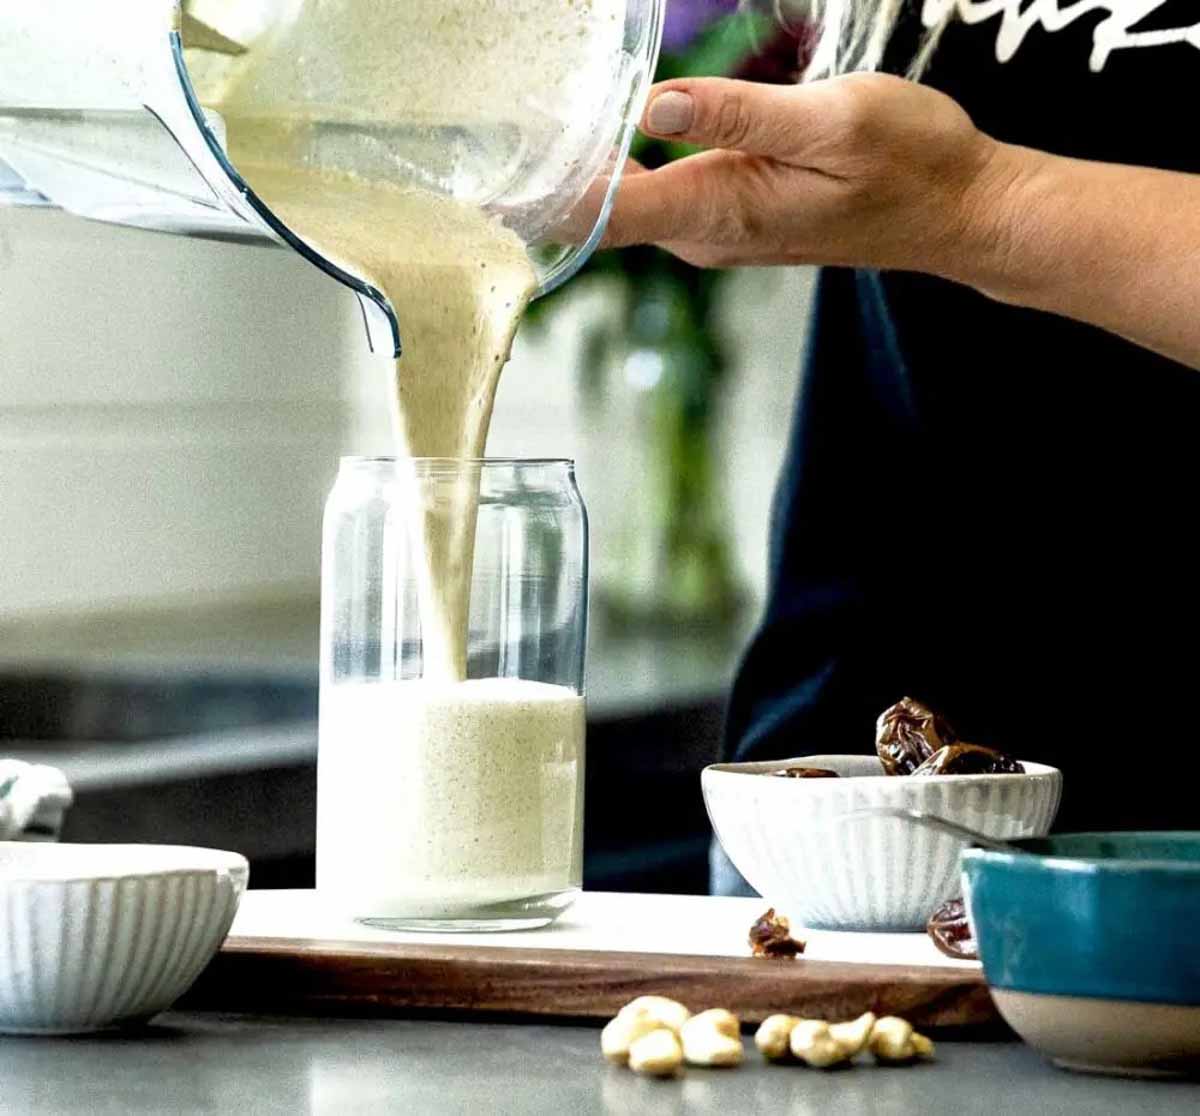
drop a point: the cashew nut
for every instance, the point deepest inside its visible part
(667, 1013)
(773, 1037)
(622, 1032)
(653, 1035)
(812, 1043)
(894, 1040)
(853, 1037)
(713, 1038)
(657, 1054)
(922, 1046)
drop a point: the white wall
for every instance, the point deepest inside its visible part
(171, 413)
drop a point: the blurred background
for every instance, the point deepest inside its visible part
(171, 416)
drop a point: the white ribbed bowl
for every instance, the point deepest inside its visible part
(93, 936)
(786, 837)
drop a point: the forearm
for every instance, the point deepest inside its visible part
(1115, 246)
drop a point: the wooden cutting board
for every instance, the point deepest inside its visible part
(286, 956)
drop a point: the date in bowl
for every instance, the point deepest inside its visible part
(791, 839)
(1088, 942)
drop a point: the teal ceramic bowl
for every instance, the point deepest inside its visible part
(1089, 943)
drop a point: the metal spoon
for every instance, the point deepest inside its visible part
(933, 821)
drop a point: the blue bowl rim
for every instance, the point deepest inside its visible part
(1061, 862)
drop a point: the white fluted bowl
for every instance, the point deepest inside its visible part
(93, 936)
(787, 836)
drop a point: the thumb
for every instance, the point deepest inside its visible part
(770, 120)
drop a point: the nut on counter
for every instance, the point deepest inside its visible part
(655, 1036)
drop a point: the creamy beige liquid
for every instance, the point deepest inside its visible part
(437, 800)
(460, 283)
(442, 797)
(334, 104)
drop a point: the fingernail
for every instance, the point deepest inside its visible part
(671, 113)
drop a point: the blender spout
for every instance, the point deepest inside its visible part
(201, 36)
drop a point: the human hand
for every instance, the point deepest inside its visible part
(863, 170)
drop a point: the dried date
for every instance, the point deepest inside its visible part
(907, 734)
(805, 773)
(969, 759)
(771, 937)
(951, 931)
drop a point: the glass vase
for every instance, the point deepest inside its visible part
(653, 389)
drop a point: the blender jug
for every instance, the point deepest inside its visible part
(123, 112)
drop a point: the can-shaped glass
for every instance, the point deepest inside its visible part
(453, 638)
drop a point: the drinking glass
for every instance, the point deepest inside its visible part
(453, 635)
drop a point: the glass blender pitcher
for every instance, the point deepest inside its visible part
(122, 112)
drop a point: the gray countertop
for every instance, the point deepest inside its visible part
(194, 1063)
(197, 725)
(628, 674)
